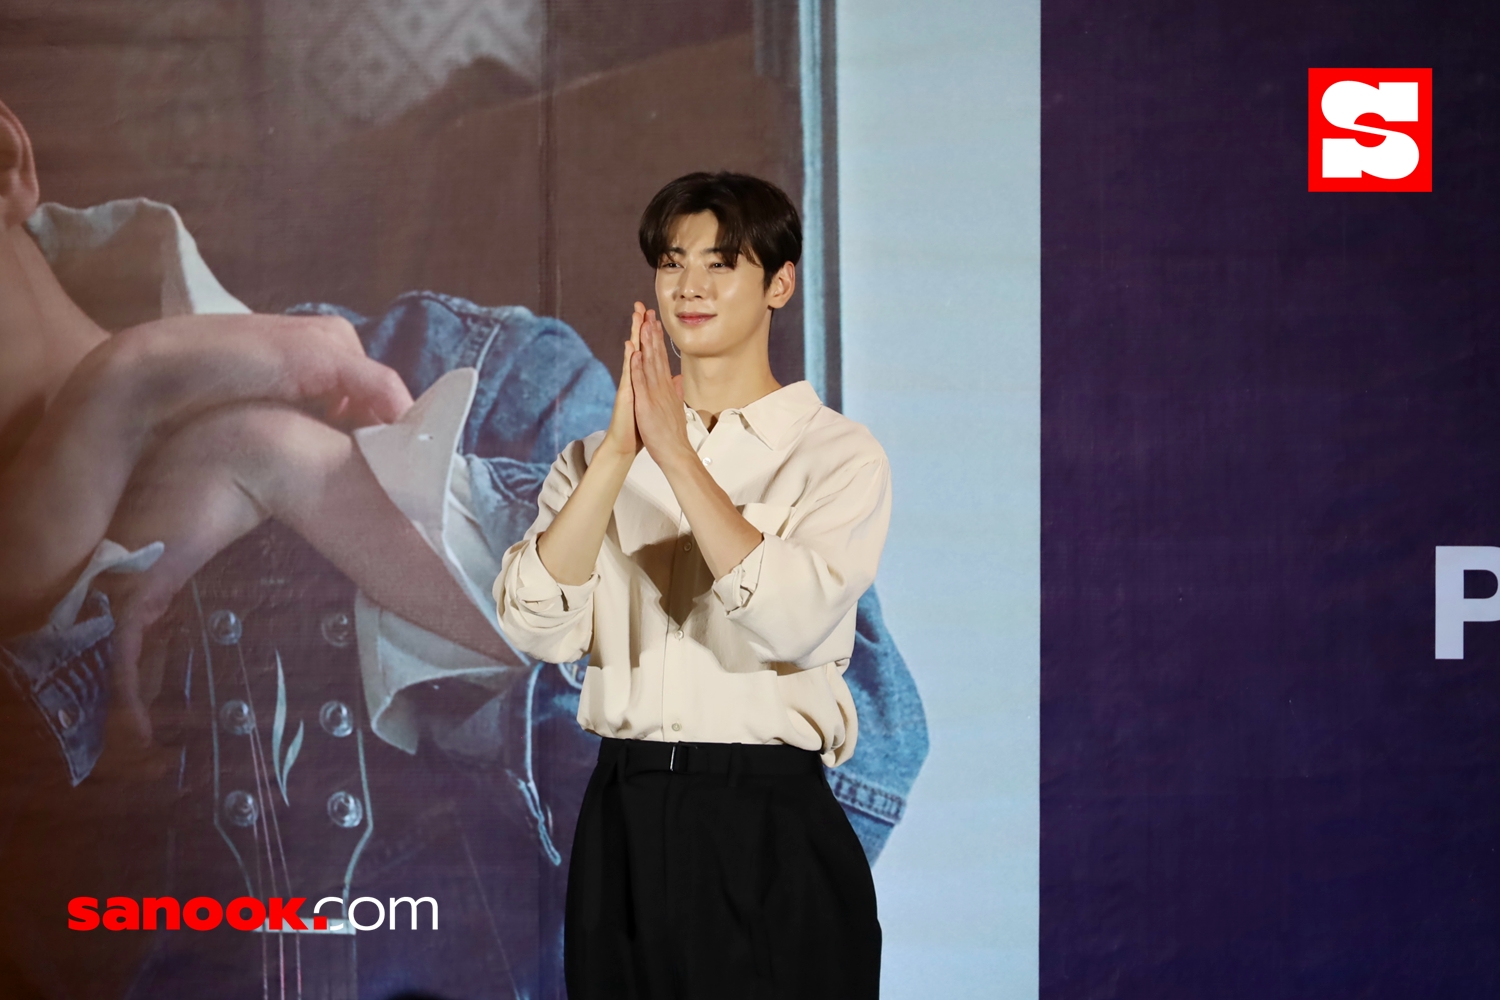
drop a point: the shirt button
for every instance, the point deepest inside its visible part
(679, 633)
(708, 461)
(687, 546)
(676, 727)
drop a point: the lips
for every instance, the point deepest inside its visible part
(694, 319)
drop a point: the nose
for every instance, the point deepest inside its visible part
(692, 282)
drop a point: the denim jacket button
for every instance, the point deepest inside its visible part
(66, 719)
(225, 627)
(337, 629)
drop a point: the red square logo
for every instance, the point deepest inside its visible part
(1369, 130)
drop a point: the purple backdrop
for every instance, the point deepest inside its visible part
(1262, 409)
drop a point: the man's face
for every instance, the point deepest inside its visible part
(709, 308)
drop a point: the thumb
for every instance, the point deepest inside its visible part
(140, 601)
(376, 393)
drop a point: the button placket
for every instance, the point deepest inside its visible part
(677, 601)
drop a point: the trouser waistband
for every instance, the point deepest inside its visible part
(708, 758)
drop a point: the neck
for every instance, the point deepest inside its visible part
(713, 384)
(43, 336)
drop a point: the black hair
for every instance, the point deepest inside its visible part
(756, 219)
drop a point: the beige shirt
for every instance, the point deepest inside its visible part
(756, 656)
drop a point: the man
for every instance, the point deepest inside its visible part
(355, 613)
(707, 551)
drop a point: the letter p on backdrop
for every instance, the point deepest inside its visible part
(1450, 607)
(1369, 130)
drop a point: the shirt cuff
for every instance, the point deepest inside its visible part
(541, 593)
(396, 656)
(735, 588)
(416, 463)
(61, 670)
(108, 557)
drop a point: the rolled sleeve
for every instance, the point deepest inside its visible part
(795, 593)
(61, 671)
(541, 593)
(735, 588)
(416, 463)
(550, 620)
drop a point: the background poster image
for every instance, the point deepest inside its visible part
(459, 181)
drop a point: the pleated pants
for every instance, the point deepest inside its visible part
(717, 871)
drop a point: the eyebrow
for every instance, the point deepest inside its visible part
(721, 251)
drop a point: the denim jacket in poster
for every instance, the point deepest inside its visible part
(538, 387)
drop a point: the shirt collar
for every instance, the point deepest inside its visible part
(773, 415)
(128, 261)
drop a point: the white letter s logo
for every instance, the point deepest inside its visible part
(1397, 156)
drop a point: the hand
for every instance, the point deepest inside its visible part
(659, 416)
(58, 494)
(219, 477)
(622, 437)
(178, 367)
(206, 487)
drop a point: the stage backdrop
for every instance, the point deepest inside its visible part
(1264, 410)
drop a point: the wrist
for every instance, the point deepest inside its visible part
(611, 462)
(289, 458)
(132, 376)
(677, 458)
(615, 448)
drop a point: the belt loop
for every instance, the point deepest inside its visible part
(672, 760)
(735, 762)
(623, 748)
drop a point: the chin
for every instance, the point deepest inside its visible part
(699, 346)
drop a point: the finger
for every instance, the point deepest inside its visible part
(376, 393)
(126, 677)
(637, 316)
(650, 348)
(677, 384)
(625, 394)
(337, 332)
(661, 368)
(652, 338)
(642, 383)
(337, 413)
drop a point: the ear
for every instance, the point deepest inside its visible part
(19, 194)
(783, 284)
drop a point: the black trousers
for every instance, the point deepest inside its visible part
(717, 871)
